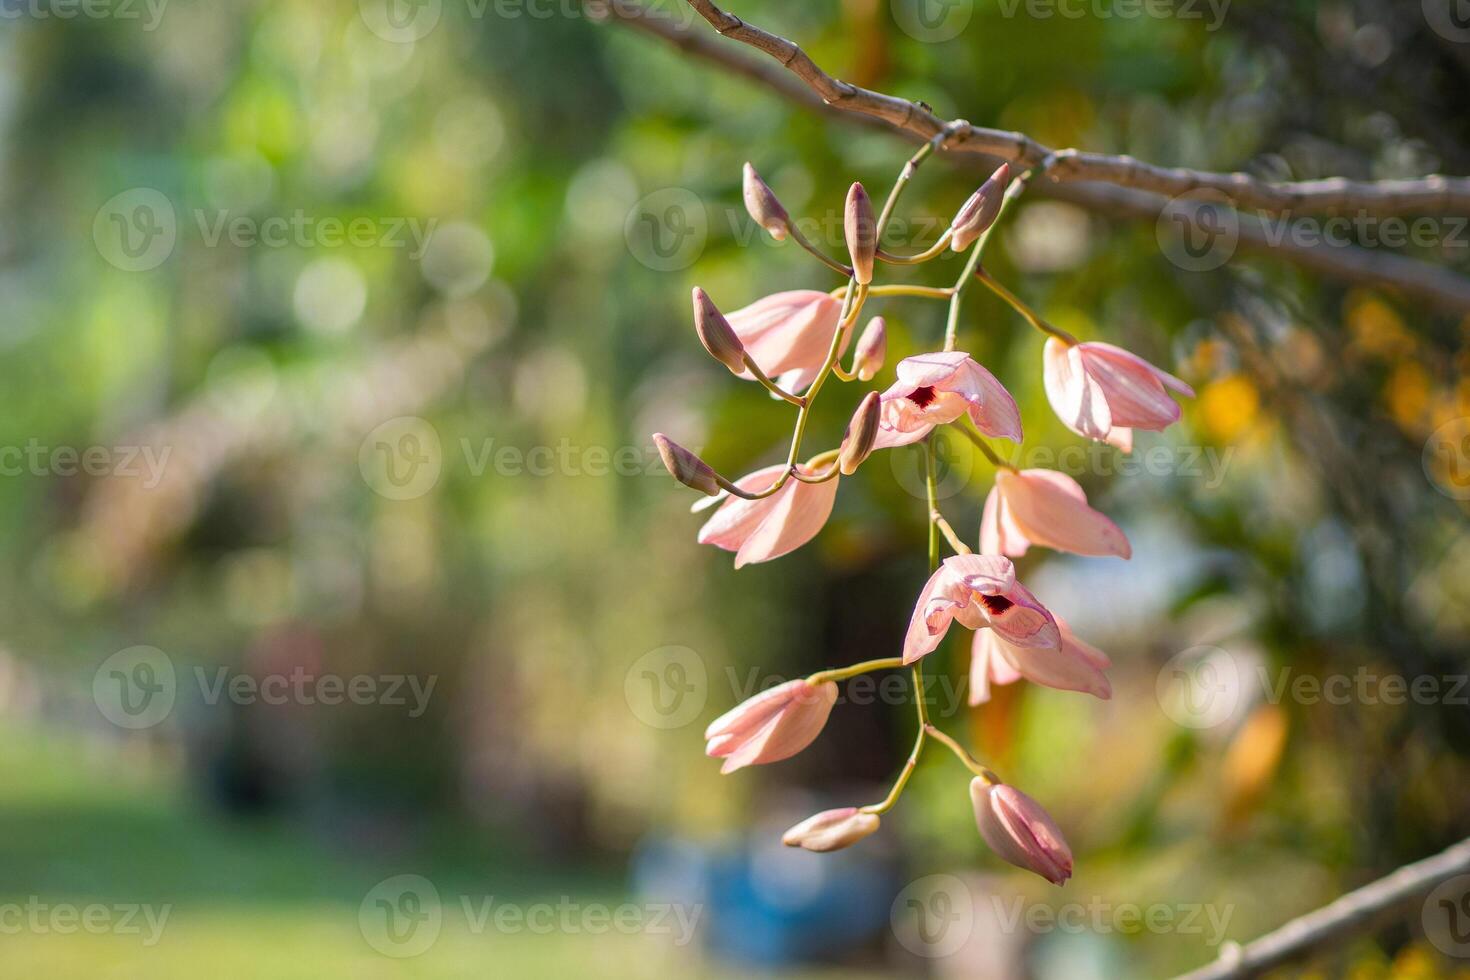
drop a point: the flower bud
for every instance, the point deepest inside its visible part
(872, 347)
(861, 230)
(716, 334)
(980, 211)
(831, 830)
(861, 433)
(764, 208)
(774, 725)
(1020, 831)
(686, 467)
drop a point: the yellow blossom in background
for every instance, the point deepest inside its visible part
(1228, 407)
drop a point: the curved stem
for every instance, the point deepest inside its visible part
(1015, 302)
(952, 324)
(824, 258)
(971, 763)
(933, 251)
(843, 673)
(769, 385)
(902, 289)
(984, 448)
(960, 548)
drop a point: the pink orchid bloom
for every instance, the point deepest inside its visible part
(774, 725)
(788, 334)
(831, 830)
(933, 389)
(1046, 508)
(980, 591)
(1020, 831)
(1104, 392)
(1072, 666)
(759, 530)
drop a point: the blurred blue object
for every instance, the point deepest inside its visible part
(769, 905)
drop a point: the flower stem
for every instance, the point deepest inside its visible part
(843, 673)
(824, 258)
(964, 755)
(952, 324)
(960, 548)
(984, 448)
(1020, 307)
(933, 251)
(770, 385)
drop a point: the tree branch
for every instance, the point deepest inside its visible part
(1434, 285)
(1435, 194)
(1349, 914)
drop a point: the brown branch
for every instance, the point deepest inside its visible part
(1434, 285)
(1332, 923)
(1435, 194)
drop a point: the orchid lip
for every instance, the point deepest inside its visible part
(923, 397)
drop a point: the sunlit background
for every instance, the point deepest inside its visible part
(351, 626)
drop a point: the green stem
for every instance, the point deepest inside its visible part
(964, 755)
(984, 447)
(1020, 307)
(843, 673)
(825, 259)
(933, 251)
(952, 324)
(771, 386)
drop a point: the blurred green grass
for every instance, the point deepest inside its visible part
(81, 825)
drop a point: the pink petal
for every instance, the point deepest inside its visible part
(788, 331)
(991, 406)
(1065, 668)
(987, 667)
(934, 370)
(999, 533)
(1135, 394)
(737, 518)
(1051, 510)
(799, 512)
(790, 730)
(753, 711)
(1074, 395)
(1023, 620)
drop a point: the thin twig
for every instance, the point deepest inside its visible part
(1350, 914)
(1435, 194)
(1436, 286)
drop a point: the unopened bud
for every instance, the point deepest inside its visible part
(763, 206)
(861, 433)
(980, 211)
(831, 830)
(861, 230)
(716, 334)
(872, 347)
(686, 467)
